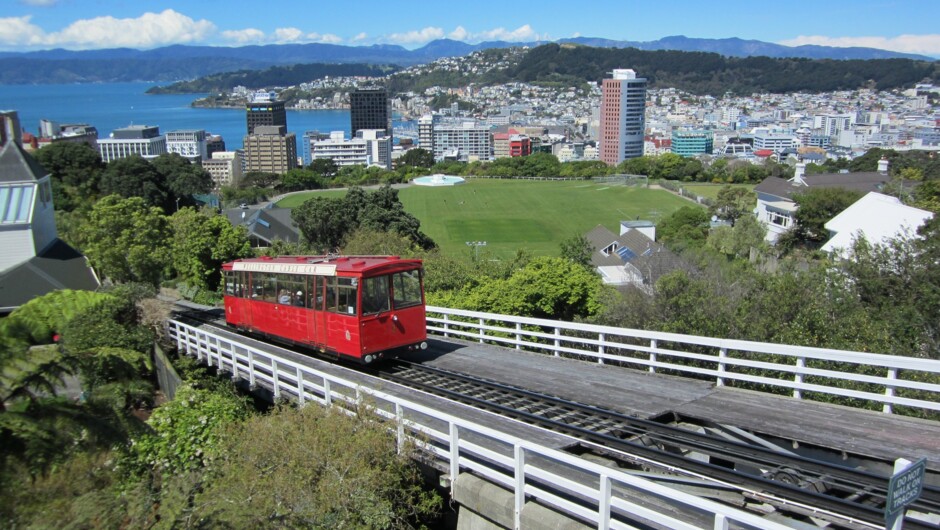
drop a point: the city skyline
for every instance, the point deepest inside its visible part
(73, 24)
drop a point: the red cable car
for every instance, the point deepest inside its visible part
(360, 307)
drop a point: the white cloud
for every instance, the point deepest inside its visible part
(923, 44)
(244, 36)
(416, 36)
(282, 35)
(522, 33)
(18, 31)
(360, 37)
(147, 31)
(329, 38)
(576, 34)
(459, 33)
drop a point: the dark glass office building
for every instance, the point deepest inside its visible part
(369, 108)
(270, 113)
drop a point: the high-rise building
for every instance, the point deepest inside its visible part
(623, 117)
(371, 147)
(225, 168)
(188, 143)
(465, 141)
(426, 125)
(270, 150)
(271, 113)
(143, 140)
(690, 143)
(370, 108)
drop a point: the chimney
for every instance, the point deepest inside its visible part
(883, 166)
(798, 173)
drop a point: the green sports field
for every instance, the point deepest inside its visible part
(515, 214)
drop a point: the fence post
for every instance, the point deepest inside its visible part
(482, 333)
(454, 455)
(721, 522)
(600, 348)
(400, 421)
(327, 393)
(603, 505)
(519, 454)
(518, 335)
(446, 325)
(653, 345)
(557, 340)
(277, 388)
(798, 378)
(251, 369)
(722, 355)
(889, 391)
(300, 386)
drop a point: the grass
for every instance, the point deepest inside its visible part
(518, 214)
(711, 190)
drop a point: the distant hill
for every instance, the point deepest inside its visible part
(271, 77)
(174, 63)
(711, 73)
(735, 47)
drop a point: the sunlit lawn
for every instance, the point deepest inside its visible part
(514, 214)
(711, 190)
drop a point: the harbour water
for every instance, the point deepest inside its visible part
(109, 106)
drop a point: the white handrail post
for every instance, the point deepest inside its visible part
(446, 325)
(600, 348)
(798, 378)
(889, 391)
(482, 333)
(251, 369)
(603, 504)
(721, 522)
(722, 355)
(400, 422)
(300, 386)
(557, 340)
(518, 335)
(653, 345)
(519, 454)
(454, 455)
(277, 388)
(327, 393)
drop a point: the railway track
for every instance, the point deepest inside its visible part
(759, 477)
(841, 496)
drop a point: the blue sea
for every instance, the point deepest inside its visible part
(109, 106)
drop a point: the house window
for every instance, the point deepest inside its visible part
(779, 219)
(15, 203)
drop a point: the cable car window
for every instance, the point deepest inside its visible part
(230, 286)
(375, 295)
(406, 287)
(330, 302)
(341, 295)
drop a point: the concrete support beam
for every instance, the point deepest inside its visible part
(486, 506)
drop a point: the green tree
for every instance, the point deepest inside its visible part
(816, 207)
(135, 177)
(687, 226)
(332, 471)
(541, 165)
(75, 170)
(737, 241)
(325, 167)
(553, 288)
(416, 157)
(577, 249)
(182, 179)
(201, 243)
(323, 222)
(732, 203)
(126, 240)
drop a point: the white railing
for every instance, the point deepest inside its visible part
(758, 365)
(601, 495)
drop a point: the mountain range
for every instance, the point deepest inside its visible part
(177, 62)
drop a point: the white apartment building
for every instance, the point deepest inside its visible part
(226, 168)
(372, 147)
(143, 140)
(775, 141)
(471, 141)
(832, 124)
(188, 143)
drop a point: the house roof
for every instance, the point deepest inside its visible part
(266, 224)
(58, 267)
(650, 258)
(877, 218)
(863, 182)
(16, 165)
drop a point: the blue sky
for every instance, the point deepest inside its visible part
(908, 26)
